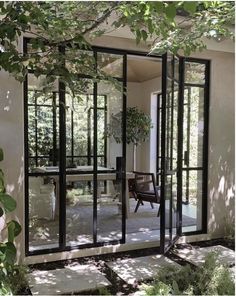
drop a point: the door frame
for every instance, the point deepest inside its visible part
(179, 203)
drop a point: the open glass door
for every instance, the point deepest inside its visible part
(170, 135)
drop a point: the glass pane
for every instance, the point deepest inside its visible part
(170, 66)
(79, 209)
(80, 61)
(109, 210)
(193, 131)
(109, 214)
(79, 128)
(192, 197)
(43, 131)
(194, 73)
(110, 64)
(31, 131)
(101, 141)
(176, 69)
(43, 212)
(168, 209)
(38, 83)
(114, 123)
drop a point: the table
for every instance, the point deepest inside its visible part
(104, 174)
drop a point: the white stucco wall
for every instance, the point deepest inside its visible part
(221, 153)
(12, 142)
(221, 138)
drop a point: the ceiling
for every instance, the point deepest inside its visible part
(141, 69)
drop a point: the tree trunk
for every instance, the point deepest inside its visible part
(134, 157)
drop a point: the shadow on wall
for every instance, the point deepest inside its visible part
(221, 203)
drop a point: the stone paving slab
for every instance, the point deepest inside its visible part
(197, 256)
(132, 270)
(77, 278)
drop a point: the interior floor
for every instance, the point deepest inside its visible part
(142, 226)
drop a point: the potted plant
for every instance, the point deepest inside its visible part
(138, 125)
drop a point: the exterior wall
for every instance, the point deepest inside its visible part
(12, 142)
(221, 153)
(221, 143)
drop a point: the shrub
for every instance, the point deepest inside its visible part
(211, 278)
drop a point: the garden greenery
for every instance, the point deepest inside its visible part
(62, 32)
(211, 278)
(12, 277)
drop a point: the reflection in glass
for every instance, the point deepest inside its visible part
(192, 190)
(194, 73)
(43, 128)
(79, 209)
(193, 126)
(109, 215)
(110, 64)
(43, 212)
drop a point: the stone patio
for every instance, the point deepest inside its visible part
(77, 278)
(133, 270)
(197, 256)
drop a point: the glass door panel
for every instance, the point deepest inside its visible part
(169, 152)
(42, 152)
(79, 168)
(194, 142)
(109, 177)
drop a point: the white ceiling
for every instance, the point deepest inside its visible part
(141, 69)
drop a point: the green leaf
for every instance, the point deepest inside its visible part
(8, 202)
(2, 186)
(170, 11)
(14, 229)
(1, 154)
(10, 228)
(190, 6)
(144, 35)
(1, 211)
(10, 253)
(2, 252)
(159, 6)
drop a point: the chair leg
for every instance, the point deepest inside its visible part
(137, 206)
(152, 206)
(158, 213)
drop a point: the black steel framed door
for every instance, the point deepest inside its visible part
(170, 136)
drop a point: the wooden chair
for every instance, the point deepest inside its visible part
(146, 190)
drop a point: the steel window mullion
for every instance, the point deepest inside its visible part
(205, 147)
(54, 130)
(171, 146)
(180, 145)
(26, 160)
(123, 180)
(72, 131)
(158, 138)
(36, 131)
(95, 182)
(163, 153)
(62, 164)
(188, 143)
